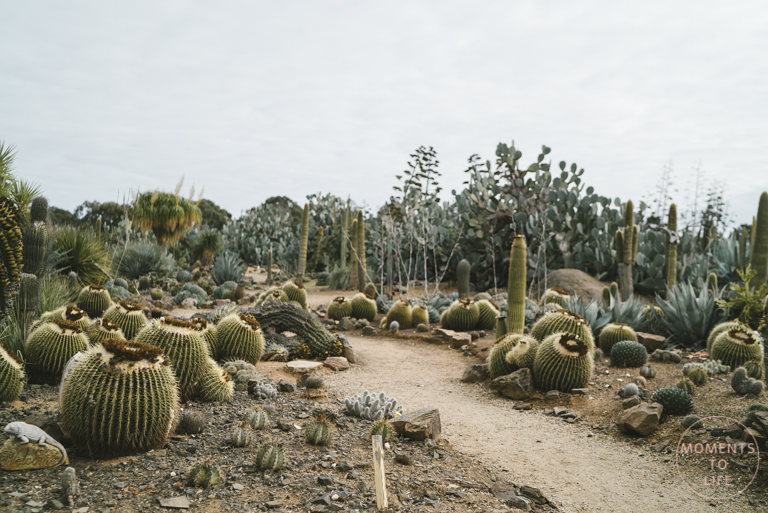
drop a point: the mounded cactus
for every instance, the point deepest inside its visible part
(742, 384)
(129, 316)
(736, 346)
(401, 313)
(120, 398)
(698, 376)
(647, 371)
(615, 332)
(675, 401)
(240, 338)
(296, 292)
(11, 375)
(183, 342)
(754, 369)
(104, 328)
(339, 308)
(257, 419)
(319, 431)
(518, 271)
(498, 365)
(67, 313)
(205, 475)
(501, 325)
(488, 314)
(314, 381)
(51, 345)
(720, 328)
(444, 320)
(420, 315)
(216, 384)
(273, 294)
(363, 307)
(145, 283)
(156, 294)
(523, 354)
(628, 353)
(384, 429)
(240, 435)
(463, 314)
(210, 335)
(687, 385)
(563, 321)
(563, 362)
(462, 277)
(482, 296)
(270, 457)
(192, 422)
(555, 295)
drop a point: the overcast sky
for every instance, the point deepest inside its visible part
(255, 99)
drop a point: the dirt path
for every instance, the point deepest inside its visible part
(579, 472)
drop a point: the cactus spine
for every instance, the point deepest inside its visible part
(361, 277)
(129, 316)
(462, 277)
(51, 345)
(626, 250)
(516, 285)
(319, 431)
(672, 247)
(498, 365)
(363, 307)
(240, 338)
(216, 384)
(339, 308)
(384, 429)
(758, 256)
(95, 300)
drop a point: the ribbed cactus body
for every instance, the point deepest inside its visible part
(12, 375)
(183, 343)
(240, 338)
(205, 475)
(615, 332)
(721, 328)
(319, 431)
(736, 346)
(523, 354)
(758, 256)
(360, 240)
(384, 429)
(671, 249)
(35, 248)
(129, 316)
(687, 386)
(270, 457)
(66, 313)
(257, 419)
(444, 320)
(498, 365)
(698, 376)
(712, 285)
(462, 277)
(156, 294)
(481, 296)
(463, 315)
(296, 292)
(353, 274)
(488, 313)
(303, 241)
(51, 345)
(626, 250)
(121, 398)
(284, 317)
(563, 362)
(216, 384)
(273, 294)
(29, 294)
(339, 308)
(628, 353)
(518, 271)
(401, 313)
(563, 321)
(420, 315)
(555, 295)
(240, 435)
(11, 259)
(363, 307)
(94, 299)
(606, 296)
(102, 329)
(211, 337)
(501, 325)
(38, 210)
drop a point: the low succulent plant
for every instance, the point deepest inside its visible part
(742, 384)
(686, 385)
(264, 391)
(463, 315)
(372, 406)
(647, 371)
(628, 354)
(192, 422)
(240, 435)
(156, 294)
(205, 475)
(319, 431)
(257, 419)
(698, 376)
(314, 382)
(270, 457)
(754, 369)
(563, 362)
(674, 400)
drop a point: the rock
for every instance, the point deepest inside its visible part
(337, 363)
(641, 419)
(650, 341)
(518, 503)
(476, 373)
(533, 493)
(474, 335)
(369, 331)
(346, 324)
(422, 328)
(274, 504)
(419, 425)
(552, 394)
(523, 406)
(630, 402)
(404, 459)
(286, 386)
(17, 456)
(580, 391)
(516, 386)
(690, 420)
(237, 486)
(325, 480)
(462, 338)
(629, 391)
(302, 366)
(362, 323)
(482, 333)
(559, 410)
(349, 353)
(284, 426)
(573, 280)
(55, 504)
(179, 502)
(394, 327)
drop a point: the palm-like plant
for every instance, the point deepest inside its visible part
(688, 318)
(169, 216)
(207, 245)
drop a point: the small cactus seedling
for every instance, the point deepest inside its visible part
(674, 400)
(205, 475)
(257, 419)
(648, 372)
(384, 429)
(687, 385)
(698, 376)
(314, 381)
(241, 435)
(264, 391)
(156, 294)
(319, 431)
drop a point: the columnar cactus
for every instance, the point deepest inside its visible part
(303, 241)
(269, 267)
(11, 375)
(615, 332)
(339, 308)
(240, 338)
(129, 316)
(29, 295)
(10, 254)
(712, 283)
(296, 292)
(120, 398)
(462, 277)
(626, 250)
(353, 275)
(488, 314)
(51, 345)
(102, 329)
(501, 325)
(95, 300)
(216, 384)
(758, 256)
(400, 312)
(361, 277)
(363, 306)
(35, 248)
(736, 347)
(563, 362)
(518, 272)
(38, 210)
(563, 321)
(671, 247)
(344, 235)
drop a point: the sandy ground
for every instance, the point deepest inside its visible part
(577, 470)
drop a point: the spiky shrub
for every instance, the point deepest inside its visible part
(686, 316)
(190, 290)
(721, 328)
(754, 369)
(628, 353)
(35, 248)
(384, 429)
(400, 313)
(497, 361)
(687, 385)
(518, 271)
(205, 475)
(462, 277)
(192, 422)
(742, 384)
(339, 308)
(227, 266)
(563, 321)
(488, 313)
(120, 398)
(647, 371)
(736, 346)
(420, 315)
(319, 431)
(142, 259)
(675, 401)
(296, 292)
(555, 295)
(207, 245)
(240, 338)
(94, 299)
(372, 406)
(11, 375)
(240, 435)
(615, 332)
(270, 457)
(698, 376)
(282, 317)
(257, 419)
(129, 316)
(523, 354)
(216, 384)
(83, 253)
(363, 307)
(51, 345)
(156, 294)
(103, 329)
(183, 342)
(563, 362)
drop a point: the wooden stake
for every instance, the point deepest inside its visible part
(378, 470)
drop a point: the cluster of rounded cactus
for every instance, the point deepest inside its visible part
(523, 354)
(566, 321)
(273, 294)
(498, 365)
(675, 401)
(183, 276)
(615, 332)
(241, 373)
(743, 384)
(191, 291)
(720, 328)
(736, 346)
(225, 291)
(401, 313)
(372, 406)
(563, 362)
(104, 328)
(296, 292)
(94, 300)
(263, 391)
(11, 374)
(555, 295)
(467, 314)
(205, 475)
(647, 371)
(239, 337)
(713, 367)
(628, 353)
(129, 316)
(240, 435)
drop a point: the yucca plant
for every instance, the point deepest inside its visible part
(83, 253)
(207, 245)
(137, 260)
(169, 216)
(688, 317)
(227, 267)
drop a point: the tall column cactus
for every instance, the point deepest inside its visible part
(516, 285)
(758, 256)
(462, 277)
(361, 278)
(672, 247)
(741, 261)
(269, 267)
(344, 234)
(10, 254)
(35, 239)
(319, 255)
(626, 250)
(303, 241)
(353, 276)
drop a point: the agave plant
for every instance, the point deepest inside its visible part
(627, 312)
(137, 260)
(339, 278)
(593, 312)
(227, 267)
(688, 318)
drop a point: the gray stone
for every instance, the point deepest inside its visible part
(346, 324)
(404, 459)
(55, 504)
(419, 425)
(475, 373)
(302, 366)
(369, 331)
(517, 385)
(533, 493)
(630, 402)
(286, 386)
(274, 504)
(15, 455)
(642, 419)
(650, 341)
(580, 391)
(552, 394)
(461, 338)
(237, 486)
(394, 327)
(179, 502)
(474, 335)
(559, 410)
(690, 420)
(337, 363)
(518, 503)
(349, 353)
(189, 303)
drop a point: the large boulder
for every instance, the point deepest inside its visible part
(573, 280)
(419, 425)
